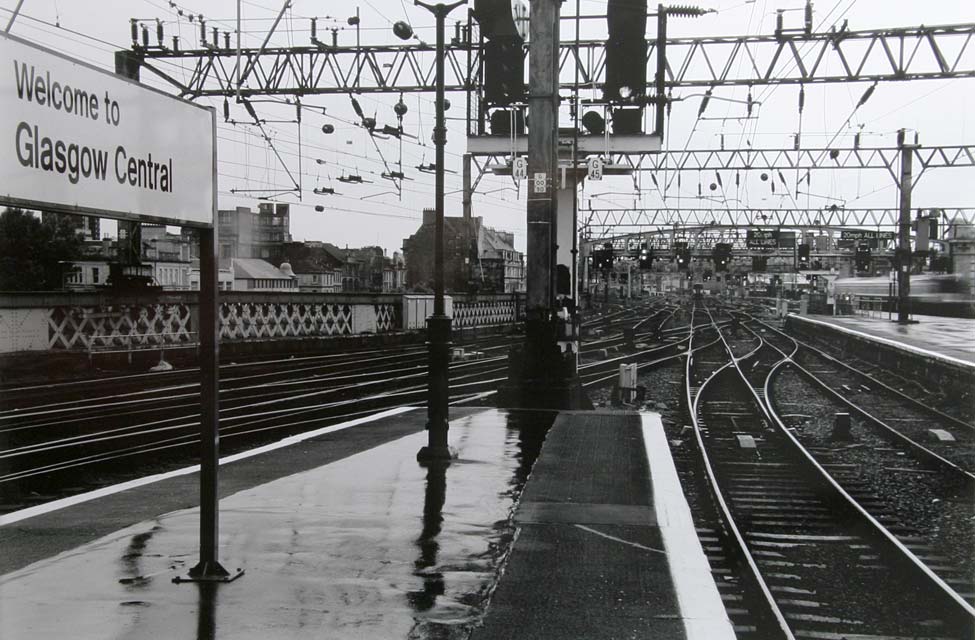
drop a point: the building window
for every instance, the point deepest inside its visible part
(94, 275)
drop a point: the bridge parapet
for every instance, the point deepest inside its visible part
(67, 322)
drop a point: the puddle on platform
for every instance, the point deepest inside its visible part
(372, 546)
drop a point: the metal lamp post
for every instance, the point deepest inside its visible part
(438, 325)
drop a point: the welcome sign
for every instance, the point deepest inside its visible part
(80, 139)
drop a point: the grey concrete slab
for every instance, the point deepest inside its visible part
(589, 561)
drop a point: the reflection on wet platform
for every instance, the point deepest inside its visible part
(366, 547)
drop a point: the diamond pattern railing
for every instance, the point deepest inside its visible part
(86, 327)
(119, 326)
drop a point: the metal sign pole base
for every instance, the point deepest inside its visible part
(209, 572)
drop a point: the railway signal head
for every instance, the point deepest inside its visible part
(862, 257)
(646, 257)
(683, 259)
(502, 26)
(721, 256)
(803, 252)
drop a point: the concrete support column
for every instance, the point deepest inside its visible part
(903, 261)
(541, 373)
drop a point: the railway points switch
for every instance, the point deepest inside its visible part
(940, 435)
(628, 336)
(746, 442)
(628, 382)
(841, 427)
(460, 354)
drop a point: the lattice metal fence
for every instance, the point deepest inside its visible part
(255, 321)
(119, 326)
(481, 313)
(87, 327)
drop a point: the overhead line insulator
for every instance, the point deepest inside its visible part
(866, 95)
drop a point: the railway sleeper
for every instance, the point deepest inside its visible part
(791, 524)
(774, 575)
(753, 494)
(762, 499)
(791, 564)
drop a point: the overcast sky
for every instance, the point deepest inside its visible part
(942, 112)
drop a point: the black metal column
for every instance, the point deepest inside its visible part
(438, 325)
(209, 410)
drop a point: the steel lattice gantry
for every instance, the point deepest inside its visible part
(594, 222)
(772, 159)
(802, 159)
(916, 53)
(603, 223)
(702, 240)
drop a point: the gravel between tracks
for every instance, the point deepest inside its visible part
(940, 509)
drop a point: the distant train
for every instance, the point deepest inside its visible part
(931, 294)
(942, 286)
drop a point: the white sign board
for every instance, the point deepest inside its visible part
(540, 182)
(80, 139)
(595, 167)
(519, 168)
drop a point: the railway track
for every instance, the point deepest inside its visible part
(926, 501)
(811, 561)
(64, 437)
(71, 444)
(926, 427)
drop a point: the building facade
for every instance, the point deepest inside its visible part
(317, 269)
(476, 258)
(243, 233)
(169, 255)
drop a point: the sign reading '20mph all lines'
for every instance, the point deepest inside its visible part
(81, 139)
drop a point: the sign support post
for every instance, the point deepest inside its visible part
(209, 568)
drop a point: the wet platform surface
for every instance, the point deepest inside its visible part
(606, 545)
(343, 535)
(949, 338)
(369, 545)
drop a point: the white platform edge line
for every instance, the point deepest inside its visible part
(888, 341)
(701, 609)
(55, 505)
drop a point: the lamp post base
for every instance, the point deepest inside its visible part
(438, 390)
(209, 572)
(435, 455)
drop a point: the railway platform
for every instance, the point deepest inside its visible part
(948, 339)
(342, 534)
